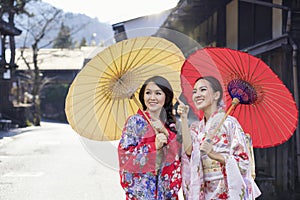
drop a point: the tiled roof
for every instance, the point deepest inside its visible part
(58, 59)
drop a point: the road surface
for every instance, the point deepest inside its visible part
(52, 162)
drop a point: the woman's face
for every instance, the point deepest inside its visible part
(203, 95)
(154, 97)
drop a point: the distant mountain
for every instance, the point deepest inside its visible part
(82, 26)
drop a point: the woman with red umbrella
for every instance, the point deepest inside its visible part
(149, 153)
(216, 161)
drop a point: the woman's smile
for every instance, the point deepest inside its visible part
(154, 98)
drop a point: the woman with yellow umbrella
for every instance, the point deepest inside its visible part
(149, 153)
(102, 98)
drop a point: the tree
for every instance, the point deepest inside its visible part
(63, 39)
(83, 42)
(42, 20)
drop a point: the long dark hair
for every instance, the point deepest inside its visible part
(165, 86)
(215, 85)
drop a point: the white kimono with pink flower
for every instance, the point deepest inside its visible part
(207, 179)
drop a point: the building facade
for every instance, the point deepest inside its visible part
(7, 67)
(267, 29)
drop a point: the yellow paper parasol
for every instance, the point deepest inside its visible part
(103, 94)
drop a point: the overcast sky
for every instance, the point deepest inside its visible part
(114, 11)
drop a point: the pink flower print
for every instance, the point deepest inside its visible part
(223, 195)
(244, 156)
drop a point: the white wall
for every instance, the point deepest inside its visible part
(145, 26)
(232, 25)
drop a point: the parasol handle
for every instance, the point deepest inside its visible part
(235, 102)
(159, 156)
(140, 107)
(146, 116)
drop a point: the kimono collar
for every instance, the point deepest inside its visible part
(220, 110)
(140, 112)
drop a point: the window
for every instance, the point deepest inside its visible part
(119, 32)
(255, 24)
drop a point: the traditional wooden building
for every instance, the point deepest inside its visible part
(7, 68)
(58, 67)
(270, 30)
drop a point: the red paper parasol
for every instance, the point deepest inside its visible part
(266, 110)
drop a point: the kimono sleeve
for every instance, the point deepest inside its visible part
(251, 154)
(186, 162)
(241, 160)
(136, 150)
(239, 149)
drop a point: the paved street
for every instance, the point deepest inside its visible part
(52, 162)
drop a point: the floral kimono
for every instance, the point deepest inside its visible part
(147, 173)
(207, 179)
